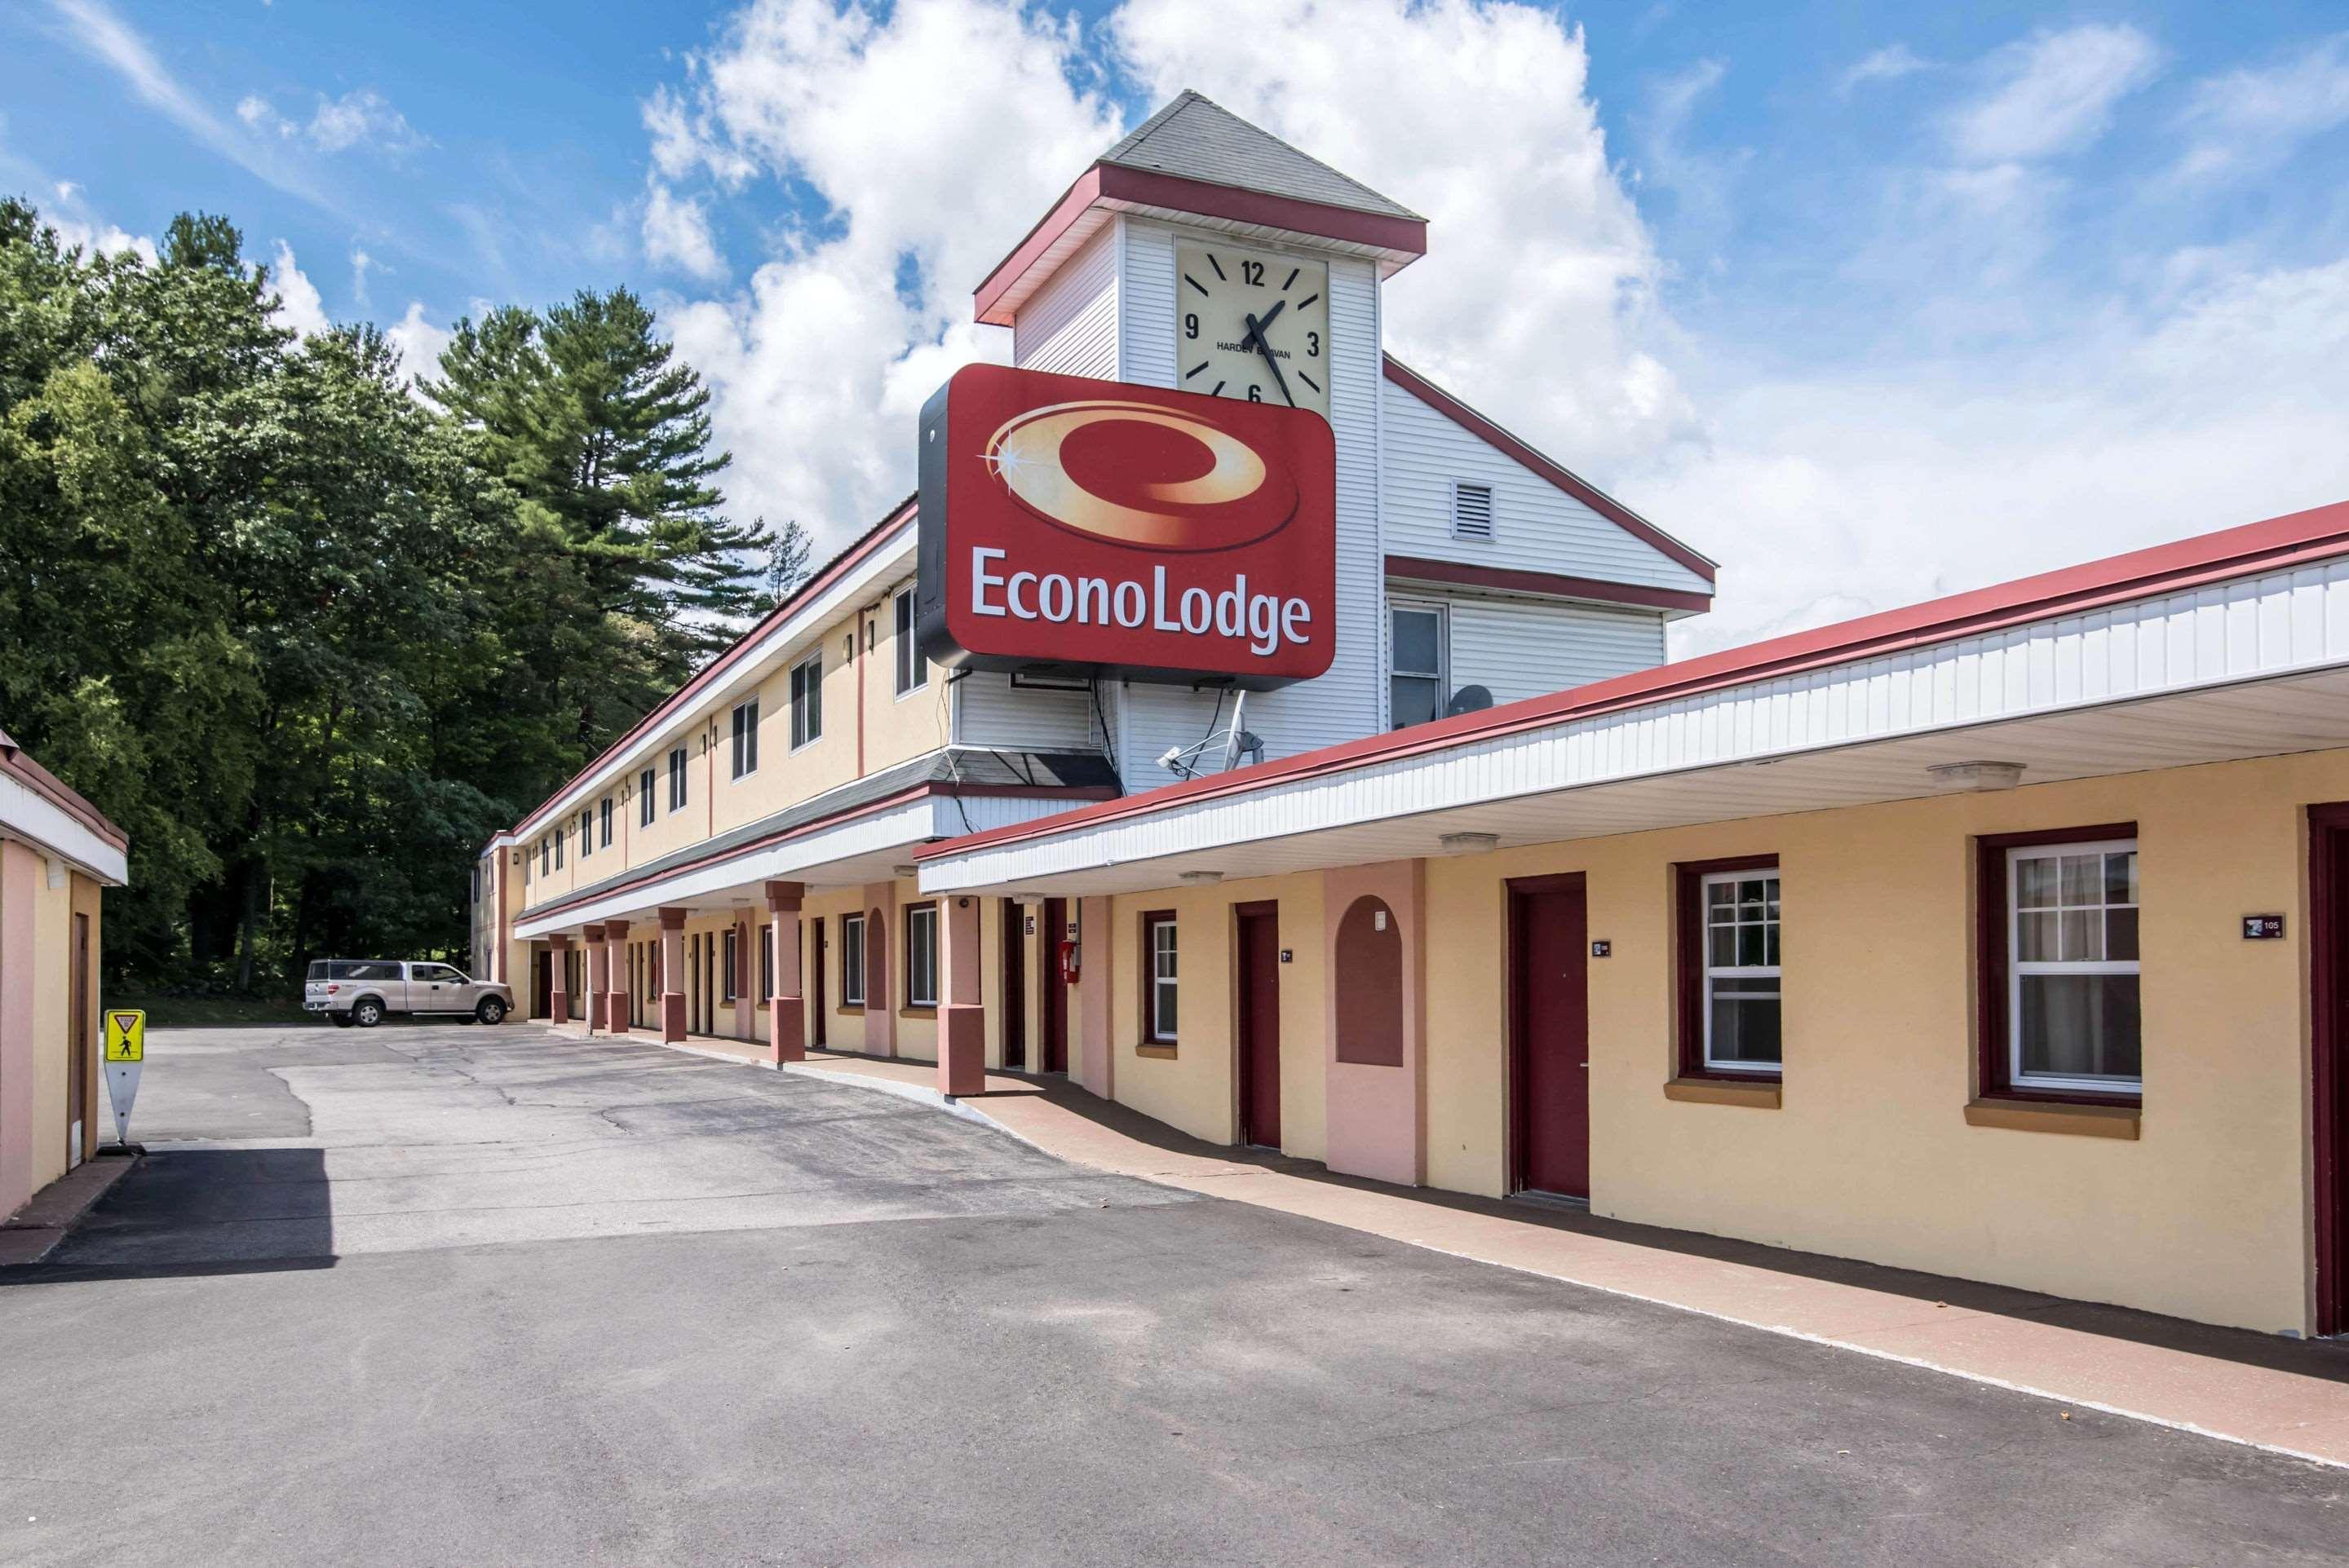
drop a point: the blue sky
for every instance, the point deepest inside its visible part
(1867, 301)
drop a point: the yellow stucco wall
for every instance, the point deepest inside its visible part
(1195, 1089)
(2206, 1216)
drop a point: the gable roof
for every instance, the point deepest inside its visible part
(1555, 472)
(1197, 139)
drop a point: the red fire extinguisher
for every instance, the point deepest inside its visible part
(1068, 961)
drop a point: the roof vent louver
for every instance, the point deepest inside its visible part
(1471, 510)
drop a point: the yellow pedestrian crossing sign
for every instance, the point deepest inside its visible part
(126, 1035)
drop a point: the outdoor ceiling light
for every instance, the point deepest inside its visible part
(902, 870)
(1468, 843)
(1200, 878)
(1975, 776)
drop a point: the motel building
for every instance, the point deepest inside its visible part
(57, 855)
(1999, 937)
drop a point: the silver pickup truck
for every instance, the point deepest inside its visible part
(362, 990)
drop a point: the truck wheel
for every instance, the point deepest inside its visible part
(367, 1014)
(490, 1011)
(342, 1020)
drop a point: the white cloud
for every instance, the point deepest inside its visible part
(1888, 64)
(2246, 121)
(361, 116)
(934, 136)
(2054, 92)
(256, 112)
(298, 304)
(419, 341)
(96, 238)
(676, 233)
(361, 265)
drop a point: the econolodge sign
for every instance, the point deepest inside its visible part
(1150, 534)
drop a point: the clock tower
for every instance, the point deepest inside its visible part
(1203, 253)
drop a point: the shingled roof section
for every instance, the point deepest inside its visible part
(1197, 139)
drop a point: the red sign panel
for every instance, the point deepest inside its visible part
(1157, 535)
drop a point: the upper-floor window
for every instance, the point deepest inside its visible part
(545, 856)
(1416, 673)
(746, 738)
(913, 670)
(807, 699)
(676, 779)
(586, 831)
(922, 955)
(1471, 510)
(604, 810)
(644, 784)
(561, 832)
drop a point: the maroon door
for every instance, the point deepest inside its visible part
(2329, 958)
(1259, 1020)
(1551, 1034)
(1056, 989)
(818, 960)
(1015, 986)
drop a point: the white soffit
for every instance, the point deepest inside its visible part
(31, 818)
(2250, 668)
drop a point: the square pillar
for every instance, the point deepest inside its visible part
(962, 1021)
(558, 1000)
(787, 1007)
(672, 949)
(881, 969)
(746, 972)
(594, 977)
(616, 1000)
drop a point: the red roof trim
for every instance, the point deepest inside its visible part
(1146, 187)
(17, 765)
(1573, 484)
(846, 814)
(2316, 534)
(875, 537)
(1505, 579)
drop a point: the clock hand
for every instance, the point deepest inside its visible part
(1264, 346)
(1256, 327)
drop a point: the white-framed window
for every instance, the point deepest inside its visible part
(731, 957)
(2071, 977)
(1158, 936)
(913, 670)
(646, 784)
(852, 960)
(604, 813)
(922, 955)
(561, 833)
(1417, 663)
(545, 856)
(586, 831)
(676, 774)
(807, 700)
(766, 962)
(746, 738)
(1741, 972)
(1472, 510)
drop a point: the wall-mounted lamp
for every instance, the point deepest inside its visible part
(1201, 879)
(1468, 843)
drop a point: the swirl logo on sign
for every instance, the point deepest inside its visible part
(1144, 477)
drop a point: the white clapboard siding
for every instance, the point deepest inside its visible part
(1344, 703)
(990, 711)
(2279, 623)
(1069, 325)
(1523, 649)
(1536, 527)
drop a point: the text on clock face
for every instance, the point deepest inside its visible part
(1253, 325)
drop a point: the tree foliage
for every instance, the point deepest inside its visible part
(308, 638)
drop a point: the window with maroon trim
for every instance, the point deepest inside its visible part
(1158, 977)
(921, 956)
(2059, 1007)
(1729, 968)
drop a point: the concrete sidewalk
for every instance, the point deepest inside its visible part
(2286, 1396)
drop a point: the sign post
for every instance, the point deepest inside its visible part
(126, 1052)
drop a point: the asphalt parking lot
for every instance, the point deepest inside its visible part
(443, 1294)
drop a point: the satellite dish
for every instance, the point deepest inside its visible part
(1468, 699)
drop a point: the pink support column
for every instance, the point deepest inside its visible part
(786, 1009)
(616, 1000)
(672, 1019)
(20, 874)
(1091, 1013)
(962, 1021)
(558, 1004)
(881, 969)
(595, 979)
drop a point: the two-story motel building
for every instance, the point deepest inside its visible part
(2002, 936)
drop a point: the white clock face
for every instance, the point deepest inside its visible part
(1251, 325)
